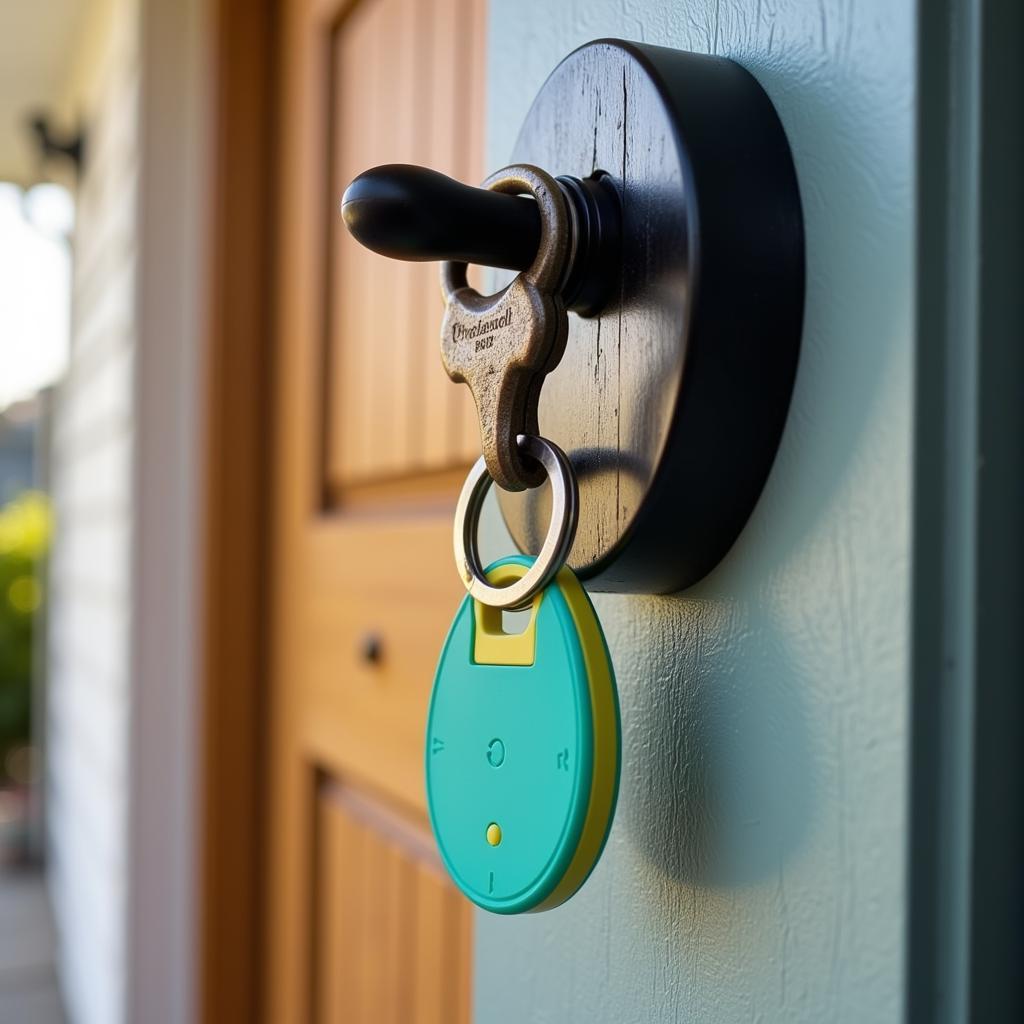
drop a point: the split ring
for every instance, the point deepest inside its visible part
(553, 552)
(556, 222)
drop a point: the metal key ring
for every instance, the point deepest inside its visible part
(556, 215)
(554, 551)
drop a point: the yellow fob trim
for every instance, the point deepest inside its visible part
(491, 644)
(606, 741)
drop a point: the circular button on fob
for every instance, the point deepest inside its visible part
(523, 748)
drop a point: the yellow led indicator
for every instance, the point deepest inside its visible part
(494, 833)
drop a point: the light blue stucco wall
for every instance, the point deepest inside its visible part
(772, 699)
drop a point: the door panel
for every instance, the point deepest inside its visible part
(370, 445)
(394, 943)
(407, 79)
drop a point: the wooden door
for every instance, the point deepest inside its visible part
(371, 442)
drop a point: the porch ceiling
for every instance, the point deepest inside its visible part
(37, 43)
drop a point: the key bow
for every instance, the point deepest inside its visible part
(502, 346)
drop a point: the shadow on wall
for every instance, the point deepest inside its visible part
(763, 709)
(719, 769)
(718, 776)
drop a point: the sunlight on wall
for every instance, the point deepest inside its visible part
(35, 288)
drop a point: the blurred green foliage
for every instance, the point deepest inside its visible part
(25, 526)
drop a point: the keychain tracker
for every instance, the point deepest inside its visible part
(522, 761)
(523, 735)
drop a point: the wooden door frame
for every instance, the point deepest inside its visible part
(235, 568)
(244, 86)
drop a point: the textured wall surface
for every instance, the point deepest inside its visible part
(90, 614)
(755, 871)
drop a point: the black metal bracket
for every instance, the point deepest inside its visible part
(688, 275)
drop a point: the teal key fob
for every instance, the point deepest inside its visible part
(523, 747)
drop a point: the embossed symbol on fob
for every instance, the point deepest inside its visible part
(495, 753)
(563, 759)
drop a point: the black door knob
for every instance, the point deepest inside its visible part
(407, 212)
(413, 213)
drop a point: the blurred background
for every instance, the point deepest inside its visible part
(228, 464)
(135, 211)
(49, 71)
(71, 138)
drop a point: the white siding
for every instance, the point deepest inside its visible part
(91, 573)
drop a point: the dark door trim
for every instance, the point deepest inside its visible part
(965, 867)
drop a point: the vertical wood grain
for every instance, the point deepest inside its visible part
(386, 334)
(440, 52)
(393, 933)
(428, 967)
(349, 312)
(342, 938)
(337, 885)
(464, 429)
(461, 989)
(391, 410)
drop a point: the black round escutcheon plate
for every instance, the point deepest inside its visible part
(671, 402)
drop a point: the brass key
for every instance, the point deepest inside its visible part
(503, 345)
